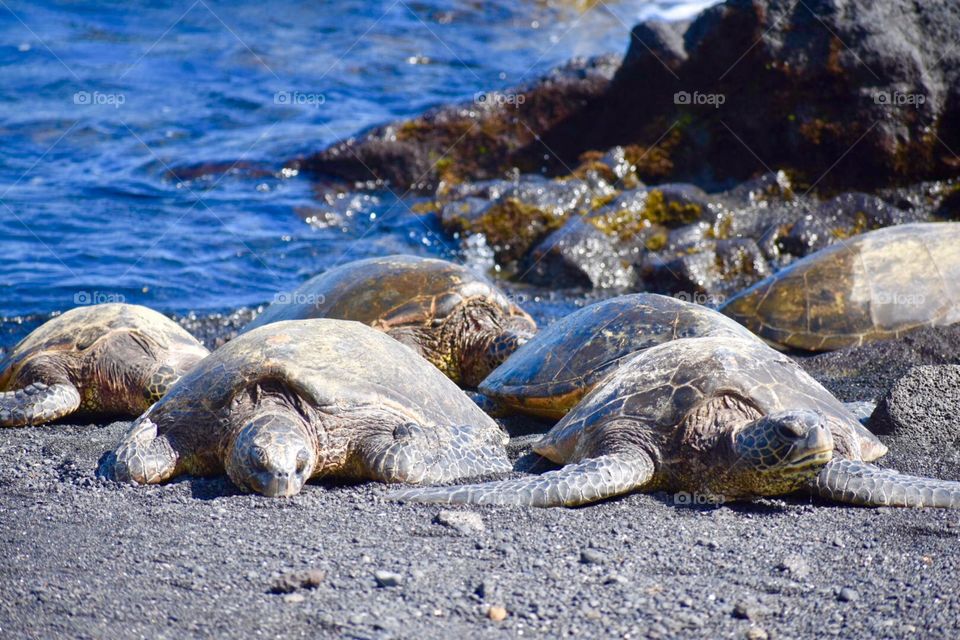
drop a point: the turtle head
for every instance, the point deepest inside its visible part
(777, 454)
(272, 455)
(490, 348)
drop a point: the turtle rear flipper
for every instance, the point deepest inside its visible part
(864, 484)
(38, 403)
(575, 484)
(416, 454)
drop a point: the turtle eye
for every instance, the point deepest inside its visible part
(791, 430)
(302, 459)
(259, 457)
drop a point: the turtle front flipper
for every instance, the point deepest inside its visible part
(575, 484)
(860, 483)
(38, 403)
(144, 457)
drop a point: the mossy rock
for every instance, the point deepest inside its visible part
(515, 215)
(614, 166)
(634, 214)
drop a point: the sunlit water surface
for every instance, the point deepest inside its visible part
(99, 101)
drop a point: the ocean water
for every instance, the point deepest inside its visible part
(105, 107)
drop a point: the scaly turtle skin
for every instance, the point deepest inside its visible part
(105, 360)
(875, 286)
(306, 399)
(548, 375)
(455, 318)
(722, 417)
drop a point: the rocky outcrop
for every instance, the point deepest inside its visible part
(578, 255)
(515, 214)
(527, 128)
(591, 231)
(593, 177)
(919, 417)
(843, 93)
(868, 372)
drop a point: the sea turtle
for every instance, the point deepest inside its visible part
(302, 399)
(548, 375)
(101, 360)
(455, 318)
(873, 286)
(721, 417)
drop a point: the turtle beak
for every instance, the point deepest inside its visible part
(282, 485)
(815, 448)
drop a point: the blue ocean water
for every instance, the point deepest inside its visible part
(101, 101)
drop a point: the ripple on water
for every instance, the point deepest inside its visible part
(143, 160)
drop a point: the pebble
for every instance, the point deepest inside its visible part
(745, 611)
(709, 544)
(592, 556)
(293, 598)
(464, 522)
(387, 579)
(795, 566)
(848, 595)
(497, 613)
(756, 633)
(487, 590)
(290, 582)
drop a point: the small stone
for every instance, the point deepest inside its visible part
(592, 556)
(487, 590)
(464, 522)
(290, 582)
(293, 598)
(387, 579)
(686, 602)
(794, 566)
(848, 595)
(710, 544)
(745, 611)
(497, 613)
(756, 633)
